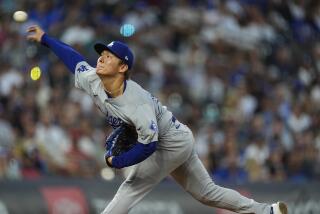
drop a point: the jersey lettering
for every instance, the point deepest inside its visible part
(114, 121)
(82, 68)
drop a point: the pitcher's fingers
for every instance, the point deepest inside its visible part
(32, 28)
(31, 38)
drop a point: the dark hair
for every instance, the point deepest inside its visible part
(127, 73)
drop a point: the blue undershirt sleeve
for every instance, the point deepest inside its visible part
(137, 154)
(68, 55)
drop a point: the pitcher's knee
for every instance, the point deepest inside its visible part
(113, 211)
(115, 206)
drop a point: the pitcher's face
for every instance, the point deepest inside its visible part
(108, 64)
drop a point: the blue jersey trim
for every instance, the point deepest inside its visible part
(125, 86)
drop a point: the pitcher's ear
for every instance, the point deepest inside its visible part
(123, 67)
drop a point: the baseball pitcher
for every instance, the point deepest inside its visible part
(162, 145)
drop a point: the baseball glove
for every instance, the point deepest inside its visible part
(121, 140)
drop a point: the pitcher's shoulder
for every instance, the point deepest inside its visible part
(136, 92)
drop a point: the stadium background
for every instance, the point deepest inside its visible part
(242, 74)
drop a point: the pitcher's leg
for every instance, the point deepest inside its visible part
(130, 193)
(194, 178)
(140, 182)
(143, 178)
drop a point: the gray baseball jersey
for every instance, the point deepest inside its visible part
(135, 106)
(175, 154)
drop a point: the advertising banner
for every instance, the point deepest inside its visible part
(76, 196)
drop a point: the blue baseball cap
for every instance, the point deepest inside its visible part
(119, 49)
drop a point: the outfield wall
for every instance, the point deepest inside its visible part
(75, 196)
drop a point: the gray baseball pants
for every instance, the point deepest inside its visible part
(178, 158)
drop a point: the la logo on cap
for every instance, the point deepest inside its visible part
(110, 44)
(126, 57)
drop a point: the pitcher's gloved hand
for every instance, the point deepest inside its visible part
(121, 140)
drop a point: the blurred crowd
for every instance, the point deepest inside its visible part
(242, 74)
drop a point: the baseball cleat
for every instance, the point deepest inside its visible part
(279, 208)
